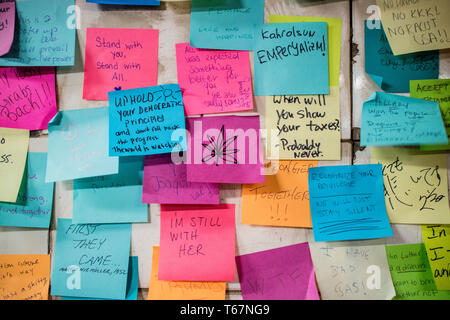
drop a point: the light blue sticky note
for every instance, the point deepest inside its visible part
(291, 59)
(112, 198)
(146, 121)
(395, 72)
(45, 34)
(393, 120)
(34, 202)
(347, 203)
(225, 24)
(91, 260)
(78, 145)
(128, 2)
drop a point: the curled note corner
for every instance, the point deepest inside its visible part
(56, 120)
(372, 97)
(377, 79)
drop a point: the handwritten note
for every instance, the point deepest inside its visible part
(389, 119)
(347, 203)
(214, 81)
(24, 277)
(285, 273)
(415, 185)
(283, 200)
(91, 260)
(197, 243)
(128, 2)
(437, 243)
(119, 59)
(7, 23)
(77, 145)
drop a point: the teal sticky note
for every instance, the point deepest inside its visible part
(44, 35)
(394, 120)
(291, 59)
(112, 198)
(91, 260)
(34, 202)
(78, 145)
(225, 24)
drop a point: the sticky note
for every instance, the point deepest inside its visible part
(396, 71)
(166, 182)
(197, 243)
(119, 59)
(437, 243)
(347, 203)
(226, 25)
(28, 97)
(438, 91)
(13, 156)
(214, 81)
(24, 277)
(128, 2)
(285, 273)
(291, 58)
(35, 199)
(413, 26)
(7, 23)
(91, 260)
(415, 185)
(224, 149)
(112, 198)
(45, 34)
(389, 119)
(350, 270)
(283, 200)
(182, 290)
(304, 127)
(142, 121)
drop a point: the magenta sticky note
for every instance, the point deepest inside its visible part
(7, 22)
(166, 182)
(285, 273)
(27, 97)
(224, 149)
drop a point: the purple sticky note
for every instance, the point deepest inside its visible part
(7, 21)
(224, 149)
(165, 182)
(285, 273)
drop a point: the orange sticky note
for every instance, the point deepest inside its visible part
(182, 290)
(24, 277)
(283, 200)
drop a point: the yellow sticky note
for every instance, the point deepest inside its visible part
(13, 156)
(413, 26)
(283, 200)
(24, 277)
(415, 185)
(182, 290)
(437, 243)
(304, 127)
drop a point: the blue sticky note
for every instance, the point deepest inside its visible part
(91, 260)
(45, 35)
(291, 59)
(128, 2)
(111, 198)
(347, 203)
(396, 71)
(77, 145)
(225, 24)
(393, 120)
(146, 121)
(34, 202)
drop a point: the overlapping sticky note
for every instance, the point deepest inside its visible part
(128, 2)
(285, 273)
(214, 81)
(7, 23)
(437, 243)
(182, 290)
(389, 119)
(283, 200)
(415, 185)
(347, 203)
(197, 243)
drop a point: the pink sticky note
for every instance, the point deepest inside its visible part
(119, 59)
(285, 273)
(214, 81)
(27, 97)
(165, 182)
(7, 22)
(197, 243)
(224, 149)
